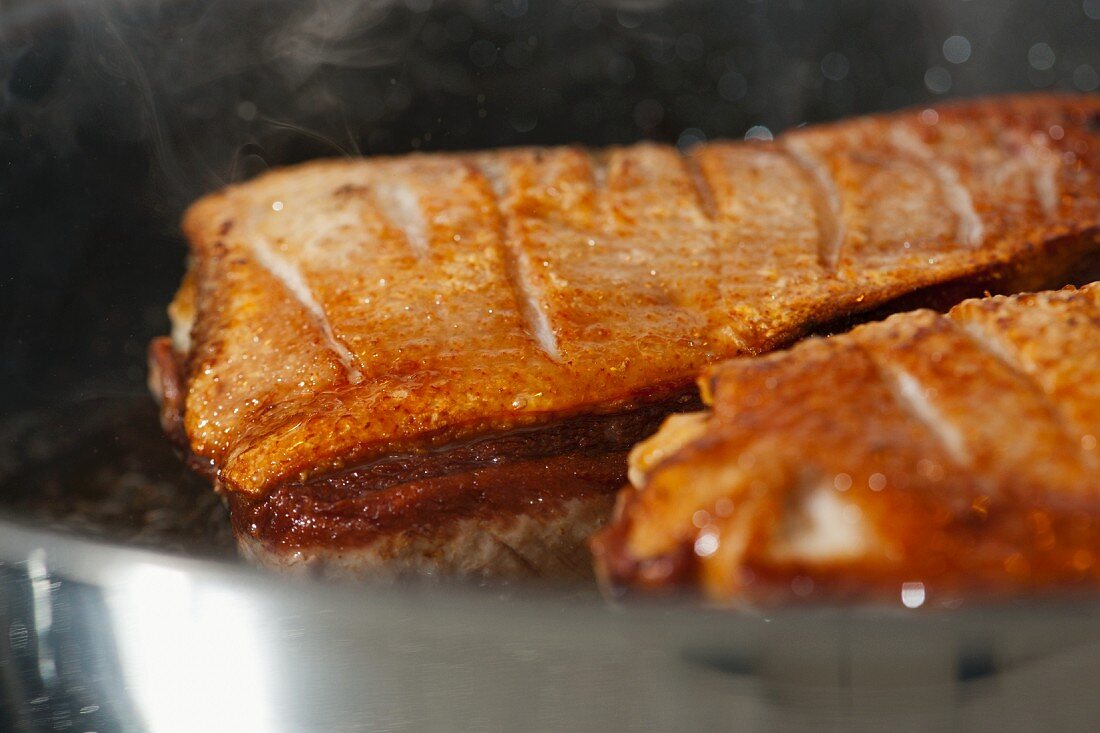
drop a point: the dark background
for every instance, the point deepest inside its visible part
(114, 115)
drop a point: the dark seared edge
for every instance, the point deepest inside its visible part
(619, 571)
(511, 472)
(319, 514)
(1071, 259)
(167, 384)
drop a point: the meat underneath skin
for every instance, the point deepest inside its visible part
(341, 313)
(952, 455)
(514, 505)
(528, 519)
(520, 504)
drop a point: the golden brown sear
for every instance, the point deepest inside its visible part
(925, 457)
(342, 318)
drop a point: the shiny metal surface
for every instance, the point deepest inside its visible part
(100, 637)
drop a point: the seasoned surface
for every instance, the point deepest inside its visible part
(942, 455)
(344, 310)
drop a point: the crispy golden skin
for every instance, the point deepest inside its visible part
(929, 455)
(346, 310)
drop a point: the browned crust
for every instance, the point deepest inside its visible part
(352, 523)
(1072, 259)
(259, 453)
(277, 504)
(165, 381)
(619, 571)
(471, 508)
(318, 514)
(1017, 513)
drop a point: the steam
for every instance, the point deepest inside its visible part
(217, 91)
(332, 32)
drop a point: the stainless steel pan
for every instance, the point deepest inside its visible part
(122, 604)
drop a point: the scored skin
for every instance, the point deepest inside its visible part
(427, 297)
(1017, 509)
(1047, 350)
